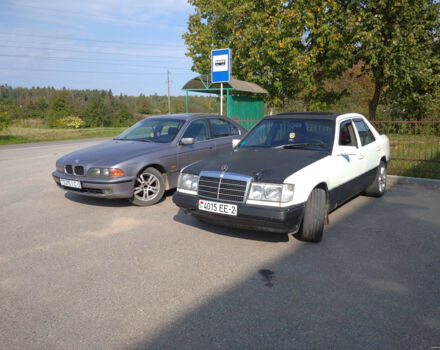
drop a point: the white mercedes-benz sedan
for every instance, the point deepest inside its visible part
(288, 173)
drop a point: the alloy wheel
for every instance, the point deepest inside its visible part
(147, 187)
(382, 178)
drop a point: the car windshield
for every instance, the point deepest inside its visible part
(153, 130)
(311, 134)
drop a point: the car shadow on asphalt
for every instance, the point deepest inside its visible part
(100, 202)
(370, 284)
(189, 220)
(104, 202)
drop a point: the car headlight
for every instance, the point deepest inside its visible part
(188, 183)
(105, 172)
(59, 167)
(271, 192)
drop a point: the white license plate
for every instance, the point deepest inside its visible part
(70, 183)
(220, 208)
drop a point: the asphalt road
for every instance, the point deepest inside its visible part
(79, 273)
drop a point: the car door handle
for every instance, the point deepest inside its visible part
(361, 156)
(378, 148)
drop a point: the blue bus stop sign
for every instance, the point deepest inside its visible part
(220, 65)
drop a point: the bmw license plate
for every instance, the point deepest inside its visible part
(220, 208)
(70, 183)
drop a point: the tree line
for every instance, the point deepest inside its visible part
(65, 108)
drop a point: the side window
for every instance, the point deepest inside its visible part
(198, 130)
(347, 136)
(234, 129)
(220, 127)
(364, 131)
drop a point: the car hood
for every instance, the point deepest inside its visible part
(268, 165)
(111, 152)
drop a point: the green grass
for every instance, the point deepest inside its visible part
(415, 155)
(15, 135)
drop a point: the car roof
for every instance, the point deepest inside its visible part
(305, 115)
(185, 116)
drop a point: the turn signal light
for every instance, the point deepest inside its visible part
(116, 172)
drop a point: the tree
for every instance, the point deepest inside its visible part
(143, 106)
(59, 101)
(97, 114)
(8, 111)
(289, 47)
(397, 41)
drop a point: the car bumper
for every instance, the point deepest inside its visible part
(111, 188)
(251, 217)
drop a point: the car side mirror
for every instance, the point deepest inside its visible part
(235, 142)
(187, 141)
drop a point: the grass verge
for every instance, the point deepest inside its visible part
(15, 135)
(415, 155)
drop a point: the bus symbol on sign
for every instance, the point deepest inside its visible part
(220, 63)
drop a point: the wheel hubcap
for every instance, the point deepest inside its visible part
(382, 179)
(146, 187)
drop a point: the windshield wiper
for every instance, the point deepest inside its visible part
(302, 145)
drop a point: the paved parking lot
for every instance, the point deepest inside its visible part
(78, 273)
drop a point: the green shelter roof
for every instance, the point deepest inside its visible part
(203, 83)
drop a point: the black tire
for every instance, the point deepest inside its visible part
(149, 188)
(314, 214)
(377, 188)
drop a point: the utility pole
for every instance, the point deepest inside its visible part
(169, 99)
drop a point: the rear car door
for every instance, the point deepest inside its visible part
(203, 145)
(369, 150)
(223, 132)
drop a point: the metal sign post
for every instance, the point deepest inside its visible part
(221, 98)
(221, 70)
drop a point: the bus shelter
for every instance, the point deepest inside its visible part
(244, 100)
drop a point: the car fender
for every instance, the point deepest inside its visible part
(384, 144)
(306, 179)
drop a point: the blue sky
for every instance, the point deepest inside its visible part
(126, 46)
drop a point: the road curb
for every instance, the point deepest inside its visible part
(394, 179)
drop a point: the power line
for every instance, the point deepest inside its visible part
(90, 40)
(80, 71)
(94, 46)
(83, 14)
(96, 52)
(90, 61)
(102, 59)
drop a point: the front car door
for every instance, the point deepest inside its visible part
(349, 165)
(202, 147)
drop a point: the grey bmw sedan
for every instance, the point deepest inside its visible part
(145, 160)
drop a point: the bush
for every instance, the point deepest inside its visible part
(70, 122)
